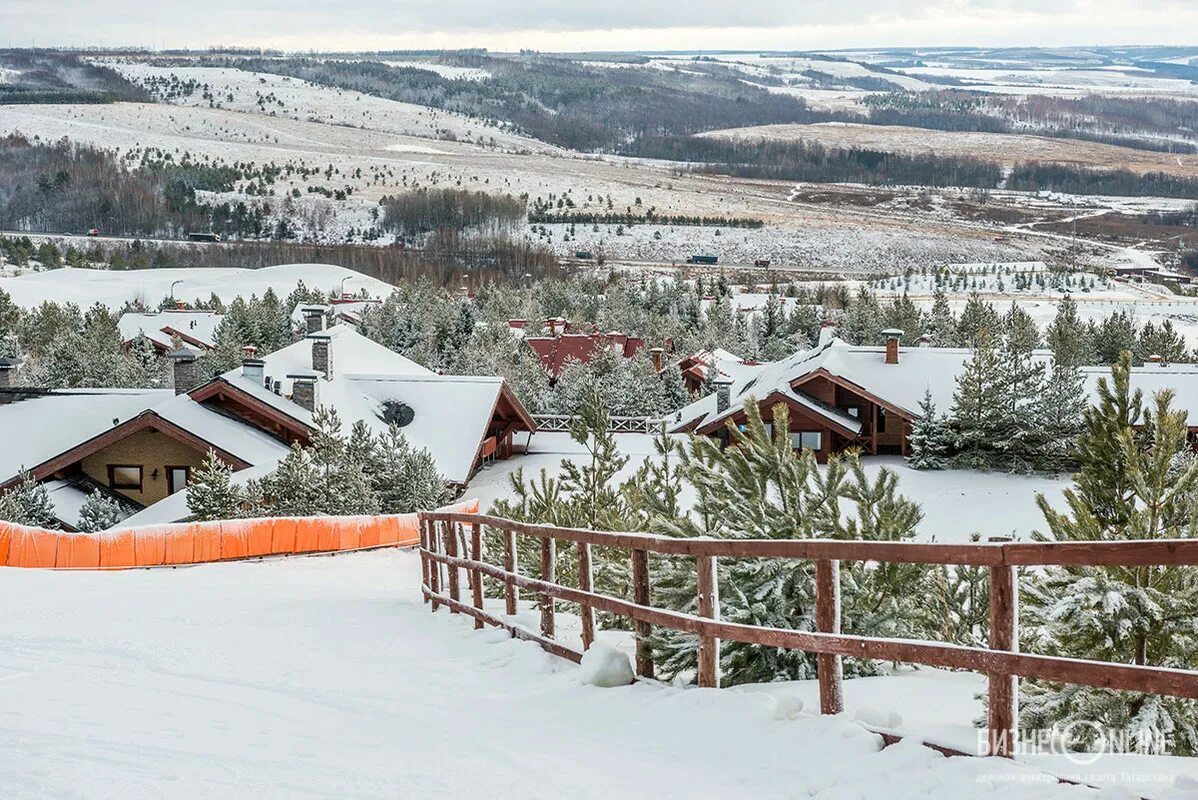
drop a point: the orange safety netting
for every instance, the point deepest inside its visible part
(199, 542)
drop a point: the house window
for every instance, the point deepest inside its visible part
(124, 476)
(853, 411)
(807, 440)
(177, 478)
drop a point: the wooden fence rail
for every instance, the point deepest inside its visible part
(442, 563)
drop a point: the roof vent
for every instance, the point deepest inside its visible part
(396, 413)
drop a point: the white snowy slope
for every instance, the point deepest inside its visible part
(114, 288)
(326, 677)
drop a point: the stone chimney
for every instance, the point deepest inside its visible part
(303, 390)
(313, 320)
(322, 354)
(8, 372)
(252, 367)
(188, 370)
(893, 335)
(723, 394)
(658, 354)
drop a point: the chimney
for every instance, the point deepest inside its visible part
(552, 325)
(723, 394)
(893, 335)
(303, 390)
(180, 305)
(252, 367)
(925, 340)
(1155, 359)
(658, 353)
(188, 370)
(313, 319)
(827, 332)
(8, 372)
(322, 354)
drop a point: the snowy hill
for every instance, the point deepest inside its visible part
(115, 287)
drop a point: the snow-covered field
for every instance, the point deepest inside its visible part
(327, 677)
(116, 287)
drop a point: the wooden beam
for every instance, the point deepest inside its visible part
(641, 596)
(476, 580)
(451, 549)
(1001, 706)
(708, 666)
(827, 620)
(585, 584)
(510, 567)
(549, 575)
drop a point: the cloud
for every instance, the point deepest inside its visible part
(606, 25)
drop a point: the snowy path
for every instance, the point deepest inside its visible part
(327, 678)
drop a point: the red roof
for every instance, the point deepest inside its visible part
(555, 351)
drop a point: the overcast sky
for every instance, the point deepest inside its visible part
(596, 25)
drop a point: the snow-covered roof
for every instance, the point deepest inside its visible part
(38, 428)
(902, 386)
(194, 327)
(68, 500)
(224, 432)
(451, 414)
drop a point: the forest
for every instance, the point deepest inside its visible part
(50, 76)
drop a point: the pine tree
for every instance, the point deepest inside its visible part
(929, 441)
(210, 492)
(1068, 338)
(977, 318)
(1019, 440)
(977, 415)
(863, 323)
(1137, 481)
(405, 479)
(674, 393)
(99, 513)
(942, 324)
(28, 503)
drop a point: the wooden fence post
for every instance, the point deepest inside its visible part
(476, 577)
(1004, 617)
(510, 563)
(827, 620)
(641, 595)
(424, 523)
(434, 569)
(709, 607)
(585, 583)
(451, 549)
(549, 575)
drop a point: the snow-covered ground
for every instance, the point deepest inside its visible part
(116, 287)
(326, 677)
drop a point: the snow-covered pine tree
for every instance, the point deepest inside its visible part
(405, 479)
(978, 414)
(211, 493)
(98, 513)
(28, 503)
(673, 388)
(976, 317)
(863, 323)
(1137, 481)
(942, 324)
(1019, 441)
(930, 437)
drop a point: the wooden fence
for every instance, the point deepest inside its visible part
(453, 542)
(558, 423)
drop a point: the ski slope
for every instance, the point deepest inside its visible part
(327, 677)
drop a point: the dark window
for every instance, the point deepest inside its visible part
(807, 440)
(177, 478)
(124, 476)
(881, 420)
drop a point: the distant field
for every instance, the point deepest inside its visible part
(1006, 147)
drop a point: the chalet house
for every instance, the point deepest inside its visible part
(141, 446)
(563, 345)
(842, 396)
(196, 329)
(718, 362)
